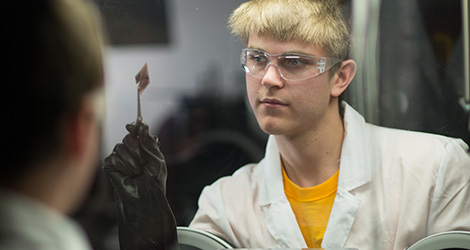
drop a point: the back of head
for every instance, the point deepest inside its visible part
(53, 58)
(321, 23)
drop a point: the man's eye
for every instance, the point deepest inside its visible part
(257, 58)
(295, 62)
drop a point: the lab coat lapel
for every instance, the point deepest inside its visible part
(281, 223)
(341, 219)
(355, 171)
(280, 219)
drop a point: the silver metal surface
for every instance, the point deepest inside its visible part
(365, 43)
(466, 47)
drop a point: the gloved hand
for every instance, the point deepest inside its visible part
(137, 171)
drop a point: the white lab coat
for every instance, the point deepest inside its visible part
(395, 187)
(28, 224)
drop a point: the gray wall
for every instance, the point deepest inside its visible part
(202, 56)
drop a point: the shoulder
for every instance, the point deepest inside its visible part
(397, 140)
(243, 182)
(409, 142)
(220, 204)
(426, 155)
(28, 224)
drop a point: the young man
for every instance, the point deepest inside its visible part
(328, 178)
(52, 105)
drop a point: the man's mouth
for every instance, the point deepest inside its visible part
(270, 102)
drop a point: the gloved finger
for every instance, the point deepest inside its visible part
(120, 180)
(151, 146)
(125, 187)
(156, 168)
(159, 180)
(130, 186)
(136, 128)
(131, 164)
(131, 127)
(110, 168)
(116, 178)
(155, 163)
(141, 129)
(114, 163)
(117, 162)
(132, 146)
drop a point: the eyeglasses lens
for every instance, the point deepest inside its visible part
(291, 66)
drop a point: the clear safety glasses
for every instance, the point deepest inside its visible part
(291, 66)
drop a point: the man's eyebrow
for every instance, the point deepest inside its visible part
(252, 47)
(299, 52)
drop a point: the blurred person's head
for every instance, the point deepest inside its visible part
(53, 75)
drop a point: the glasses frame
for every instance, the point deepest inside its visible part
(324, 63)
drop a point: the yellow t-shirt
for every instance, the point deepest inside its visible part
(312, 207)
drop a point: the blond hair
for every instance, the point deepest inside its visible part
(318, 22)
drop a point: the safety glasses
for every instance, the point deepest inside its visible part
(291, 66)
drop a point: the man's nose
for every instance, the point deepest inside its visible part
(272, 77)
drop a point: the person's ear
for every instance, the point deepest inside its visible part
(343, 77)
(79, 129)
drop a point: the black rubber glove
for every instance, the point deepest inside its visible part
(137, 171)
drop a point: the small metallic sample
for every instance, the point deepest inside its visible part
(142, 80)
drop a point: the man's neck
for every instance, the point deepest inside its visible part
(45, 184)
(313, 157)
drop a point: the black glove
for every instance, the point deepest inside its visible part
(137, 171)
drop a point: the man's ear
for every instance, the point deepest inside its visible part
(78, 130)
(343, 77)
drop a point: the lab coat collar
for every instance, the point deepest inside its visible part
(355, 171)
(272, 189)
(355, 168)
(280, 220)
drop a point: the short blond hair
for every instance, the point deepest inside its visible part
(321, 23)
